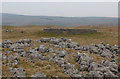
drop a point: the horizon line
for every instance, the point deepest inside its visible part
(61, 16)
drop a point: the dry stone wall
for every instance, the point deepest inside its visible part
(69, 31)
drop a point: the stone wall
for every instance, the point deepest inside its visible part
(69, 31)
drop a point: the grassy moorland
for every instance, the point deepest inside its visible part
(106, 34)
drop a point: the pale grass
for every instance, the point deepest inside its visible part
(107, 34)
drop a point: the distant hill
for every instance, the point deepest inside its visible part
(18, 20)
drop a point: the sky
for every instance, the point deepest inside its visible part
(60, 0)
(67, 9)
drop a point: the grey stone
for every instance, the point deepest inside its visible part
(45, 58)
(72, 45)
(112, 65)
(36, 49)
(55, 41)
(45, 39)
(24, 42)
(62, 53)
(68, 66)
(21, 52)
(4, 58)
(79, 75)
(69, 40)
(95, 74)
(84, 66)
(106, 54)
(108, 73)
(83, 57)
(71, 71)
(62, 45)
(51, 50)
(104, 50)
(64, 39)
(32, 50)
(40, 74)
(93, 66)
(43, 49)
(84, 60)
(105, 62)
(35, 56)
(18, 72)
(15, 47)
(9, 63)
(59, 61)
(6, 43)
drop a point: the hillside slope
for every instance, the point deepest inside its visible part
(18, 20)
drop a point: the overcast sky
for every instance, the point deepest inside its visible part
(73, 9)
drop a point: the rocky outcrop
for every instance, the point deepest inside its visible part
(106, 68)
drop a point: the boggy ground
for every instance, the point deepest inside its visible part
(107, 34)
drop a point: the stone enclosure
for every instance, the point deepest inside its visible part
(69, 31)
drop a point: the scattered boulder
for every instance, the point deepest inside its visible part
(104, 50)
(25, 42)
(61, 53)
(43, 49)
(18, 72)
(95, 74)
(84, 60)
(45, 40)
(40, 74)
(35, 56)
(6, 43)
(106, 68)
